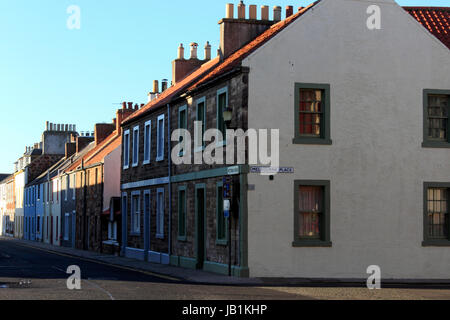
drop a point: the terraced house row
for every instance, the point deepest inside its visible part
(364, 150)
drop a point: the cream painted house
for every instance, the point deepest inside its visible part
(370, 174)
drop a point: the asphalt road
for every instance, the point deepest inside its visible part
(35, 274)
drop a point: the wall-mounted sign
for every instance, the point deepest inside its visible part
(273, 170)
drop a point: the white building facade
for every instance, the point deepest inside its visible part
(370, 178)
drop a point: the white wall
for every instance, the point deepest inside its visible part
(376, 164)
(112, 176)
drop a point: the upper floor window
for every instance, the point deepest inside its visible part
(311, 213)
(436, 214)
(135, 146)
(182, 213)
(74, 185)
(147, 141)
(222, 104)
(200, 117)
(182, 124)
(126, 149)
(160, 139)
(436, 106)
(66, 191)
(312, 114)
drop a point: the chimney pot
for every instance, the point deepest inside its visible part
(300, 8)
(164, 83)
(241, 10)
(265, 13)
(155, 86)
(130, 105)
(47, 126)
(229, 14)
(252, 12)
(276, 13)
(180, 52)
(194, 47)
(124, 105)
(207, 51)
(289, 11)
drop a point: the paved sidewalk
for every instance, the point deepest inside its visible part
(178, 273)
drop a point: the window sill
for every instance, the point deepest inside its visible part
(135, 234)
(159, 236)
(182, 238)
(146, 162)
(159, 159)
(435, 144)
(436, 243)
(318, 141)
(311, 243)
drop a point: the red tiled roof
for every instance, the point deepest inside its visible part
(236, 58)
(214, 68)
(434, 19)
(167, 95)
(97, 154)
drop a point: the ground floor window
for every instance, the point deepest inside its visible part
(135, 213)
(160, 208)
(436, 213)
(311, 213)
(182, 213)
(66, 226)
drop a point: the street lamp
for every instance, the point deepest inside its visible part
(227, 115)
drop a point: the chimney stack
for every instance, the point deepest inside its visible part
(236, 33)
(47, 126)
(71, 148)
(289, 11)
(102, 131)
(241, 10)
(276, 13)
(229, 11)
(252, 12)
(181, 67)
(130, 105)
(121, 114)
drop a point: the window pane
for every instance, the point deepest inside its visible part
(147, 143)
(221, 219)
(182, 213)
(438, 106)
(438, 223)
(310, 112)
(310, 211)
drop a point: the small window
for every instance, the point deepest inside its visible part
(436, 214)
(135, 214)
(182, 213)
(222, 222)
(135, 146)
(201, 117)
(222, 104)
(147, 141)
(67, 187)
(311, 213)
(436, 118)
(160, 139)
(126, 149)
(74, 185)
(160, 208)
(312, 114)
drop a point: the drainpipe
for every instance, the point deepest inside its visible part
(83, 223)
(170, 180)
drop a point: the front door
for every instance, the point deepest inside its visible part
(200, 211)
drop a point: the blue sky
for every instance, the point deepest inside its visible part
(48, 72)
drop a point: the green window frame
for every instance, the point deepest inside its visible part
(222, 103)
(325, 135)
(182, 213)
(429, 142)
(221, 221)
(436, 207)
(325, 220)
(182, 124)
(201, 116)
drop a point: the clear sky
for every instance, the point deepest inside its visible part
(51, 73)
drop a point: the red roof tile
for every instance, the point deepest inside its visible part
(434, 19)
(167, 95)
(97, 154)
(236, 58)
